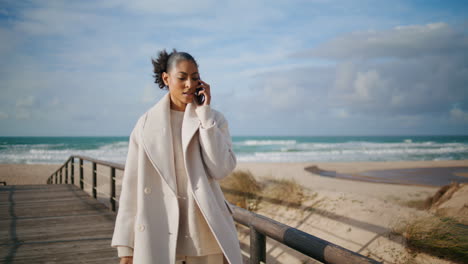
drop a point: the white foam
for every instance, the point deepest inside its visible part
(265, 142)
(41, 153)
(262, 151)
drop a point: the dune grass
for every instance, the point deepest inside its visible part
(283, 191)
(242, 189)
(441, 237)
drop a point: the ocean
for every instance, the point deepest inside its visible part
(41, 150)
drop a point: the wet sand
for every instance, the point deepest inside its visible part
(413, 176)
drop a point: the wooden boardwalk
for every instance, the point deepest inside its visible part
(55, 223)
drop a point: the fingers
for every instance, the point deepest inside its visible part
(204, 85)
(126, 260)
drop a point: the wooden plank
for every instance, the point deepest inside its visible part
(54, 224)
(58, 228)
(84, 251)
(33, 195)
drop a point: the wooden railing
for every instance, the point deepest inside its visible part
(56, 177)
(260, 226)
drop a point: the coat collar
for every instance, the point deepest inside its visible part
(157, 137)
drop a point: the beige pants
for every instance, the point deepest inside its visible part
(208, 259)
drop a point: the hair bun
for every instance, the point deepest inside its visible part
(160, 66)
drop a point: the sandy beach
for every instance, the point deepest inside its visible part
(357, 215)
(353, 214)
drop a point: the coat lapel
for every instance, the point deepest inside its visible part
(157, 137)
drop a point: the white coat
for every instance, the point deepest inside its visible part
(147, 218)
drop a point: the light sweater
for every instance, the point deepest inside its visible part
(194, 236)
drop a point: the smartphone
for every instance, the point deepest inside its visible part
(200, 98)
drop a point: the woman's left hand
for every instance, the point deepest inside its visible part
(205, 91)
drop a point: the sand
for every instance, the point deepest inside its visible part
(26, 173)
(359, 216)
(377, 190)
(353, 214)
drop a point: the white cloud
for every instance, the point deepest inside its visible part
(365, 82)
(83, 57)
(400, 42)
(426, 72)
(458, 115)
(63, 21)
(160, 7)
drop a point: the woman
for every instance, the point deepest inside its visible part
(171, 208)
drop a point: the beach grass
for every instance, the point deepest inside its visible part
(442, 237)
(242, 189)
(284, 191)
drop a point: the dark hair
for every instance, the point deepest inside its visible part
(166, 62)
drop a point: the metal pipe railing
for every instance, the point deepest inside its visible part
(260, 226)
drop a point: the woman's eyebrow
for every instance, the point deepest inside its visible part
(187, 73)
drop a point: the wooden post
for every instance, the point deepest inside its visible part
(257, 246)
(94, 180)
(66, 172)
(81, 174)
(112, 185)
(61, 175)
(72, 176)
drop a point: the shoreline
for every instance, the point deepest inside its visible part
(436, 176)
(17, 173)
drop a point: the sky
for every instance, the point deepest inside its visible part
(275, 68)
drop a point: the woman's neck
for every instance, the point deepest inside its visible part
(178, 108)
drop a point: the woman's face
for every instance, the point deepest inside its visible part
(182, 81)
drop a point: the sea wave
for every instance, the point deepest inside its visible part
(359, 152)
(36, 154)
(265, 142)
(266, 149)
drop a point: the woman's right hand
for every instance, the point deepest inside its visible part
(126, 260)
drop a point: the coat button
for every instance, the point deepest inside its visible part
(141, 228)
(147, 190)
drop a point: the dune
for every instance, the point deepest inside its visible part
(360, 216)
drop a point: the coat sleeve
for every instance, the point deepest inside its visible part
(124, 224)
(123, 251)
(216, 143)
